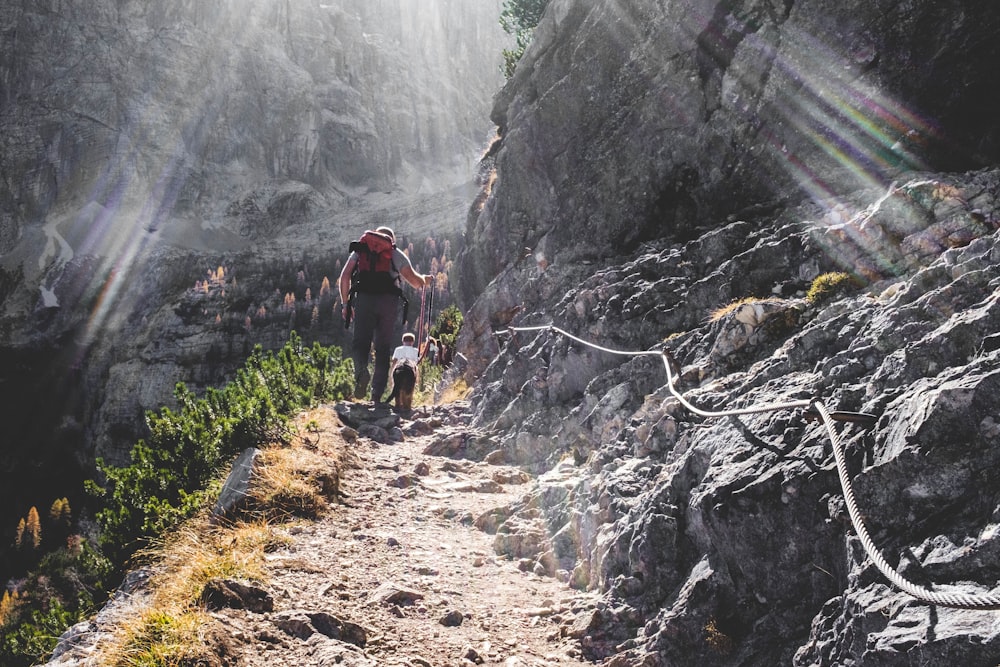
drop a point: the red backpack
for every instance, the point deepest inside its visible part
(373, 272)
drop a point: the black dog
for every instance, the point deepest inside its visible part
(404, 380)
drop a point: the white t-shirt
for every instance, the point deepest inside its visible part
(406, 353)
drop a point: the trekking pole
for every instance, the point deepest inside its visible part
(420, 320)
(430, 306)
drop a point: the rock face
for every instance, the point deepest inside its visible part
(178, 179)
(725, 540)
(628, 121)
(658, 162)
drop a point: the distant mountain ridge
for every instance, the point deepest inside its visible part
(147, 149)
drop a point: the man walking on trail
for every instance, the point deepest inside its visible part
(370, 291)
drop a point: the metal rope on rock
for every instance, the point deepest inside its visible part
(957, 600)
(670, 377)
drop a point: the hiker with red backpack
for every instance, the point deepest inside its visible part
(370, 290)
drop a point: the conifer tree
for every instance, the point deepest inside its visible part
(19, 539)
(60, 513)
(7, 604)
(56, 510)
(33, 527)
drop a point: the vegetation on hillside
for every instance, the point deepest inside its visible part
(297, 481)
(174, 472)
(828, 286)
(445, 330)
(519, 18)
(302, 298)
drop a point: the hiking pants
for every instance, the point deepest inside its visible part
(374, 322)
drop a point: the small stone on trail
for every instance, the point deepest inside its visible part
(452, 619)
(496, 457)
(221, 593)
(405, 481)
(390, 593)
(269, 637)
(472, 655)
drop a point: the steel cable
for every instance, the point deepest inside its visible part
(955, 600)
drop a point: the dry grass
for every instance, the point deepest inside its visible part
(174, 629)
(718, 640)
(432, 387)
(293, 482)
(458, 390)
(719, 313)
(298, 480)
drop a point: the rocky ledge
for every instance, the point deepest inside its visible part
(725, 540)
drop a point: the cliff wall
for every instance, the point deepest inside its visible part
(659, 162)
(173, 171)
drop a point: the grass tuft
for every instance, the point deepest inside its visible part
(827, 286)
(721, 312)
(295, 480)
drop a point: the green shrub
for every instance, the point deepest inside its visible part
(447, 325)
(519, 18)
(65, 588)
(827, 286)
(170, 472)
(168, 480)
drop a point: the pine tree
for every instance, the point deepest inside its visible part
(59, 512)
(33, 526)
(19, 540)
(7, 604)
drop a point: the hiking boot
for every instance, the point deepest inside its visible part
(361, 386)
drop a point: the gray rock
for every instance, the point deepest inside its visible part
(337, 628)
(452, 619)
(223, 593)
(233, 497)
(736, 523)
(390, 593)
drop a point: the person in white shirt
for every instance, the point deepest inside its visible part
(407, 351)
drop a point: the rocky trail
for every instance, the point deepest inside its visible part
(399, 574)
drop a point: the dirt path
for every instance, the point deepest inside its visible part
(399, 574)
